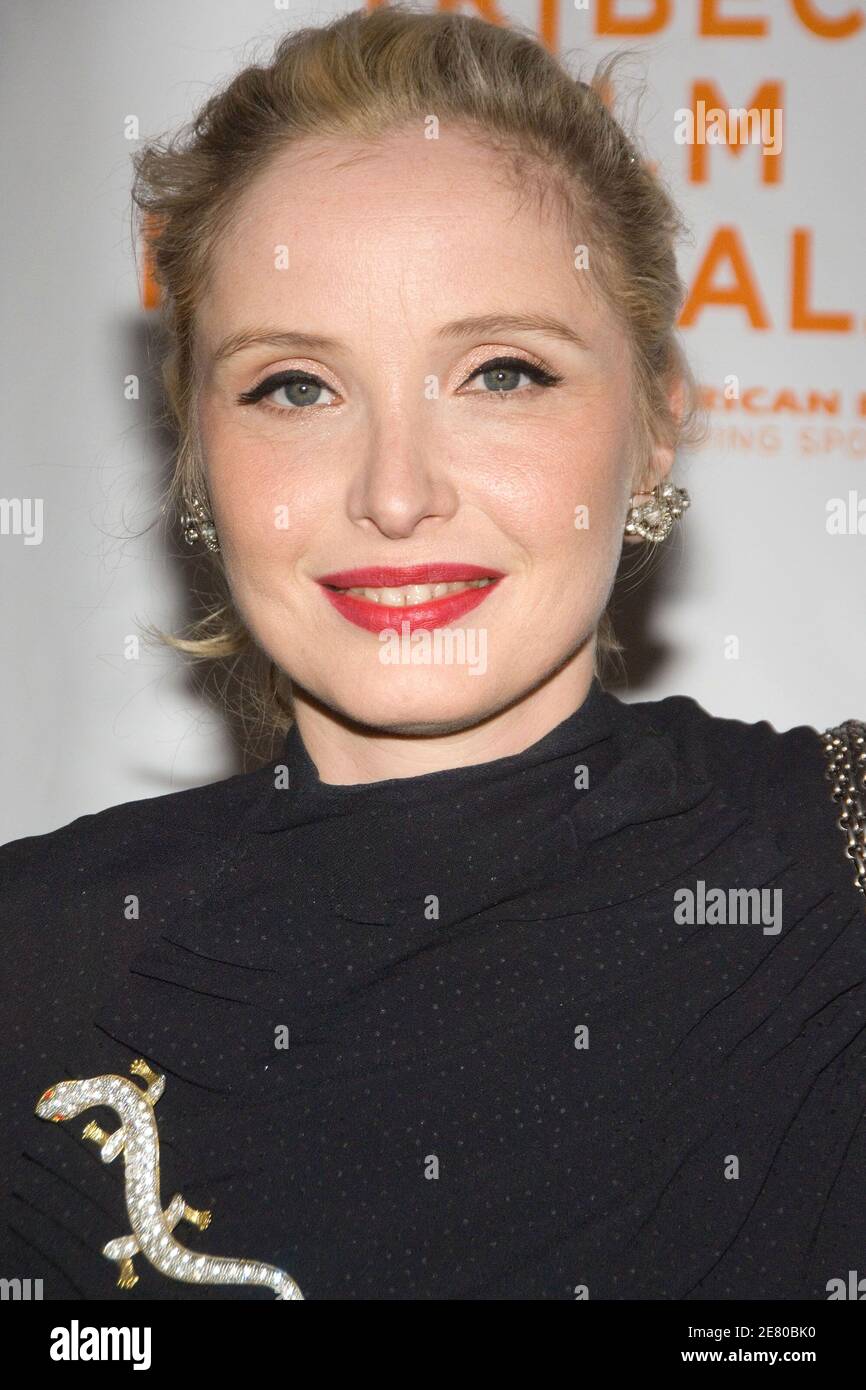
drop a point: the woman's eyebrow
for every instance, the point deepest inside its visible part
(481, 325)
(273, 337)
(489, 325)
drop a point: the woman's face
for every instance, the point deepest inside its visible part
(396, 444)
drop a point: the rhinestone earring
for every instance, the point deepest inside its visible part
(197, 524)
(653, 520)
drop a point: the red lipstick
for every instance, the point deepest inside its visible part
(436, 612)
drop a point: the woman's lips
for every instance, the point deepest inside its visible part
(430, 613)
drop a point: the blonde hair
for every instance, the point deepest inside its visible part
(363, 76)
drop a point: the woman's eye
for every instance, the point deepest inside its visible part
(503, 374)
(288, 392)
(292, 391)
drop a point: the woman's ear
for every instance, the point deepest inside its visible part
(657, 468)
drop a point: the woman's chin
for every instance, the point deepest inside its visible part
(418, 702)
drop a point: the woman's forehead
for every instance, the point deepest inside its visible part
(450, 182)
(437, 236)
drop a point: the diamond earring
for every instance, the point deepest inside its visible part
(197, 524)
(653, 520)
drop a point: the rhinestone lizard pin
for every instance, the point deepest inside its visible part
(138, 1140)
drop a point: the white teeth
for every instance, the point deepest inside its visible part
(411, 594)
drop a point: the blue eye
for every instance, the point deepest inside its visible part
(301, 388)
(499, 375)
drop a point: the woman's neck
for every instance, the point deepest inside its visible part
(346, 752)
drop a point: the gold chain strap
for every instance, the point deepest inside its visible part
(845, 747)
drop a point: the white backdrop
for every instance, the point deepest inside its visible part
(84, 727)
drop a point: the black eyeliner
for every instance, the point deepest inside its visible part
(540, 375)
(271, 383)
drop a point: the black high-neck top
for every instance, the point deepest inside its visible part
(458, 1035)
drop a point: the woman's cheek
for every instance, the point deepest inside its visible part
(573, 512)
(258, 511)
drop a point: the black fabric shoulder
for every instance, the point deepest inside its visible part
(779, 777)
(116, 829)
(69, 898)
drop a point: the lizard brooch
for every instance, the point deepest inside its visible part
(138, 1140)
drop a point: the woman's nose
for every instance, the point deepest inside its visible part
(401, 481)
